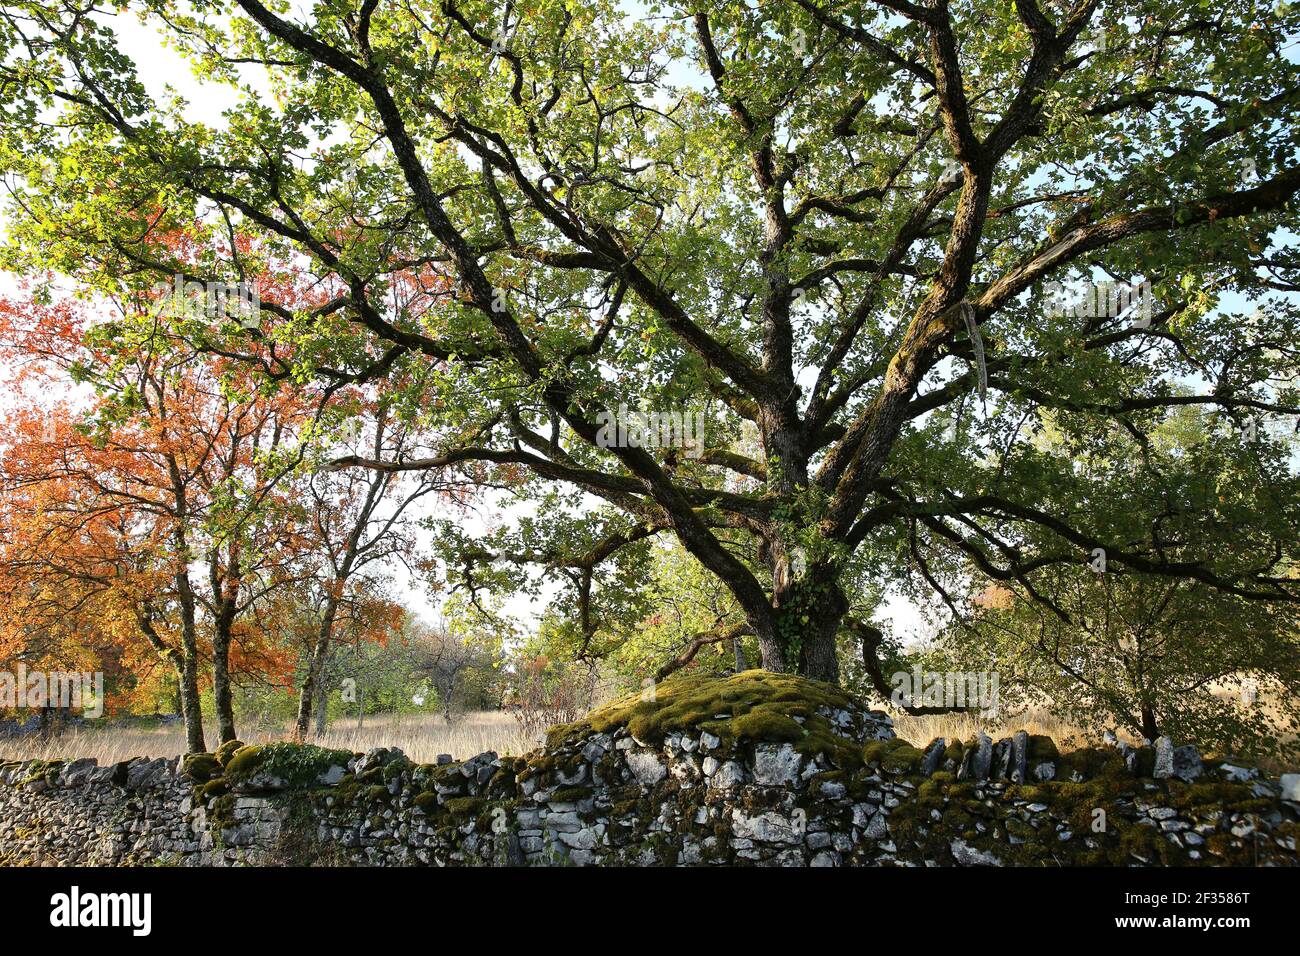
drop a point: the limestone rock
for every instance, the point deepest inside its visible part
(1164, 768)
(728, 776)
(776, 765)
(646, 767)
(769, 827)
(967, 855)
(1019, 757)
(1291, 786)
(1187, 763)
(977, 760)
(933, 758)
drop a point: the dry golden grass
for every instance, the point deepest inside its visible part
(422, 737)
(920, 731)
(923, 729)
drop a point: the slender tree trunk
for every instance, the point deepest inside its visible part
(306, 699)
(222, 692)
(315, 666)
(188, 667)
(322, 705)
(191, 703)
(225, 602)
(306, 702)
(738, 649)
(183, 663)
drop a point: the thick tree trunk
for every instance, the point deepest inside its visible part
(808, 607)
(771, 644)
(818, 658)
(1150, 729)
(801, 637)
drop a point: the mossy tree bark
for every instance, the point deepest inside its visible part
(188, 665)
(800, 635)
(184, 661)
(225, 585)
(321, 709)
(191, 703)
(222, 691)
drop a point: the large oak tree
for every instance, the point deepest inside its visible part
(829, 223)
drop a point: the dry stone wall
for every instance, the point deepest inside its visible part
(693, 796)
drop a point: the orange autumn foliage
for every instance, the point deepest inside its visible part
(160, 490)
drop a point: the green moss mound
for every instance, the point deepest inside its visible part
(465, 807)
(897, 756)
(754, 705)
(41, 770)
(427, 802)
(298, 765)
(200, 767)
(227, 750)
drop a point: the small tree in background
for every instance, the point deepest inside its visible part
(357, 525)
(449, 663)
(544, 692)
(1153, 656)
(165, 482)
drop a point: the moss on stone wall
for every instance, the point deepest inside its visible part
(297, 765)
(754, 768)
(751, 706)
